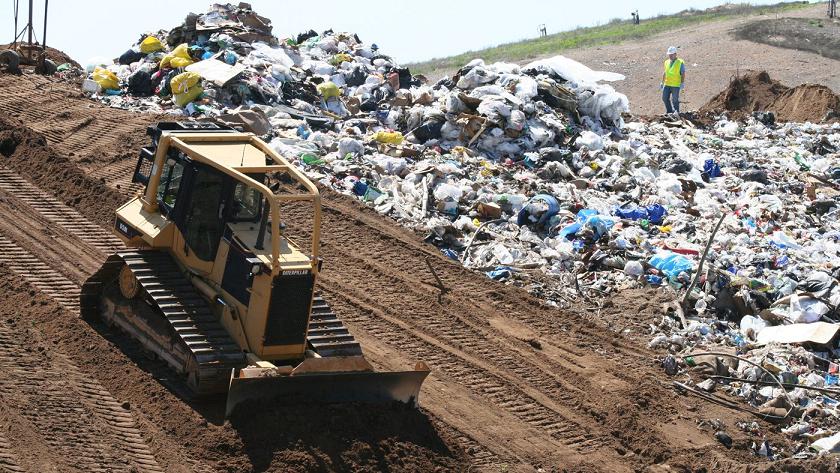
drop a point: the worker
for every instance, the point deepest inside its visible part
(673, 81)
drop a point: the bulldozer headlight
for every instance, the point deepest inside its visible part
(256, 269)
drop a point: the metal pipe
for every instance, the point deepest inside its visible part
(29, 27)
(16, 10)
(44, 34)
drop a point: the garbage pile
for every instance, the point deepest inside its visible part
(762, 320)
(531, 175)
(495, 146)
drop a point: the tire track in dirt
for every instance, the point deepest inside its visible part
(55, 211)
(61, 412)
(40, 275)
(496, 354)
(87, 133)
(8, 460)
(466, 370)
(92, 394)
(118, 176)
(87, 390)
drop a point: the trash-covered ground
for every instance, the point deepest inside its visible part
(533, 176)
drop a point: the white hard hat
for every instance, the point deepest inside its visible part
(672, 50)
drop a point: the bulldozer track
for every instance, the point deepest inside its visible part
(45, 111)
(39, 274)
(55, 211)
(187, 313)
(100, 401)
(483, 382)
(74, 414)
(8, 460)
(512, 368)
(480, 456)
(118, 176)
(480, 341)
(89, 391)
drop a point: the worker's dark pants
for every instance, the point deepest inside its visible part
(671, 97)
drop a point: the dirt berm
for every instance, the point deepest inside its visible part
(758, 92)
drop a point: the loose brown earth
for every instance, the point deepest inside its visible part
(758, 92)
(588, 396)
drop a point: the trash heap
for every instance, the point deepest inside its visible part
(495, 146)
(761, 321)
(531, 175)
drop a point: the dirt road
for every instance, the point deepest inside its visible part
(515, 385)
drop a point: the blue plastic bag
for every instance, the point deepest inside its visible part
(500, 273)
(653, 213)
(550, 201)
(653, 279)
(711, 168)
(449, 253)
(671, 264)
(589, 218)
(359, 188)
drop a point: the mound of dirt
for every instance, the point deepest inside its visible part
(758, 92)
(55, 55)
(30, 154)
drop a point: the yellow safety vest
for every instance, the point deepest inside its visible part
(672, 73)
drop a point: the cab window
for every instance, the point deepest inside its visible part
(204, 224)
(247, 203)
(170, 182)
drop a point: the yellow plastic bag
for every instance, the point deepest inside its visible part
(180, 62)
(390, 137)
(179, 57)
(106, 79)
(183, 82)
(328, 90)
(150, 45)
(182, 100)
(339, 58)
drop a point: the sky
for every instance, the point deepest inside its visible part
(408, 30)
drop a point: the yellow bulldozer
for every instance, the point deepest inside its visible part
(213, 286)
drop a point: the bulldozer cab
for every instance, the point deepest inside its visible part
(208, 201)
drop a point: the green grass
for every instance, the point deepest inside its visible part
(615, 31)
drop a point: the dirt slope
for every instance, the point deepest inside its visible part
(582, 398)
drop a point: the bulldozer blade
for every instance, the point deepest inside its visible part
(328, 388)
